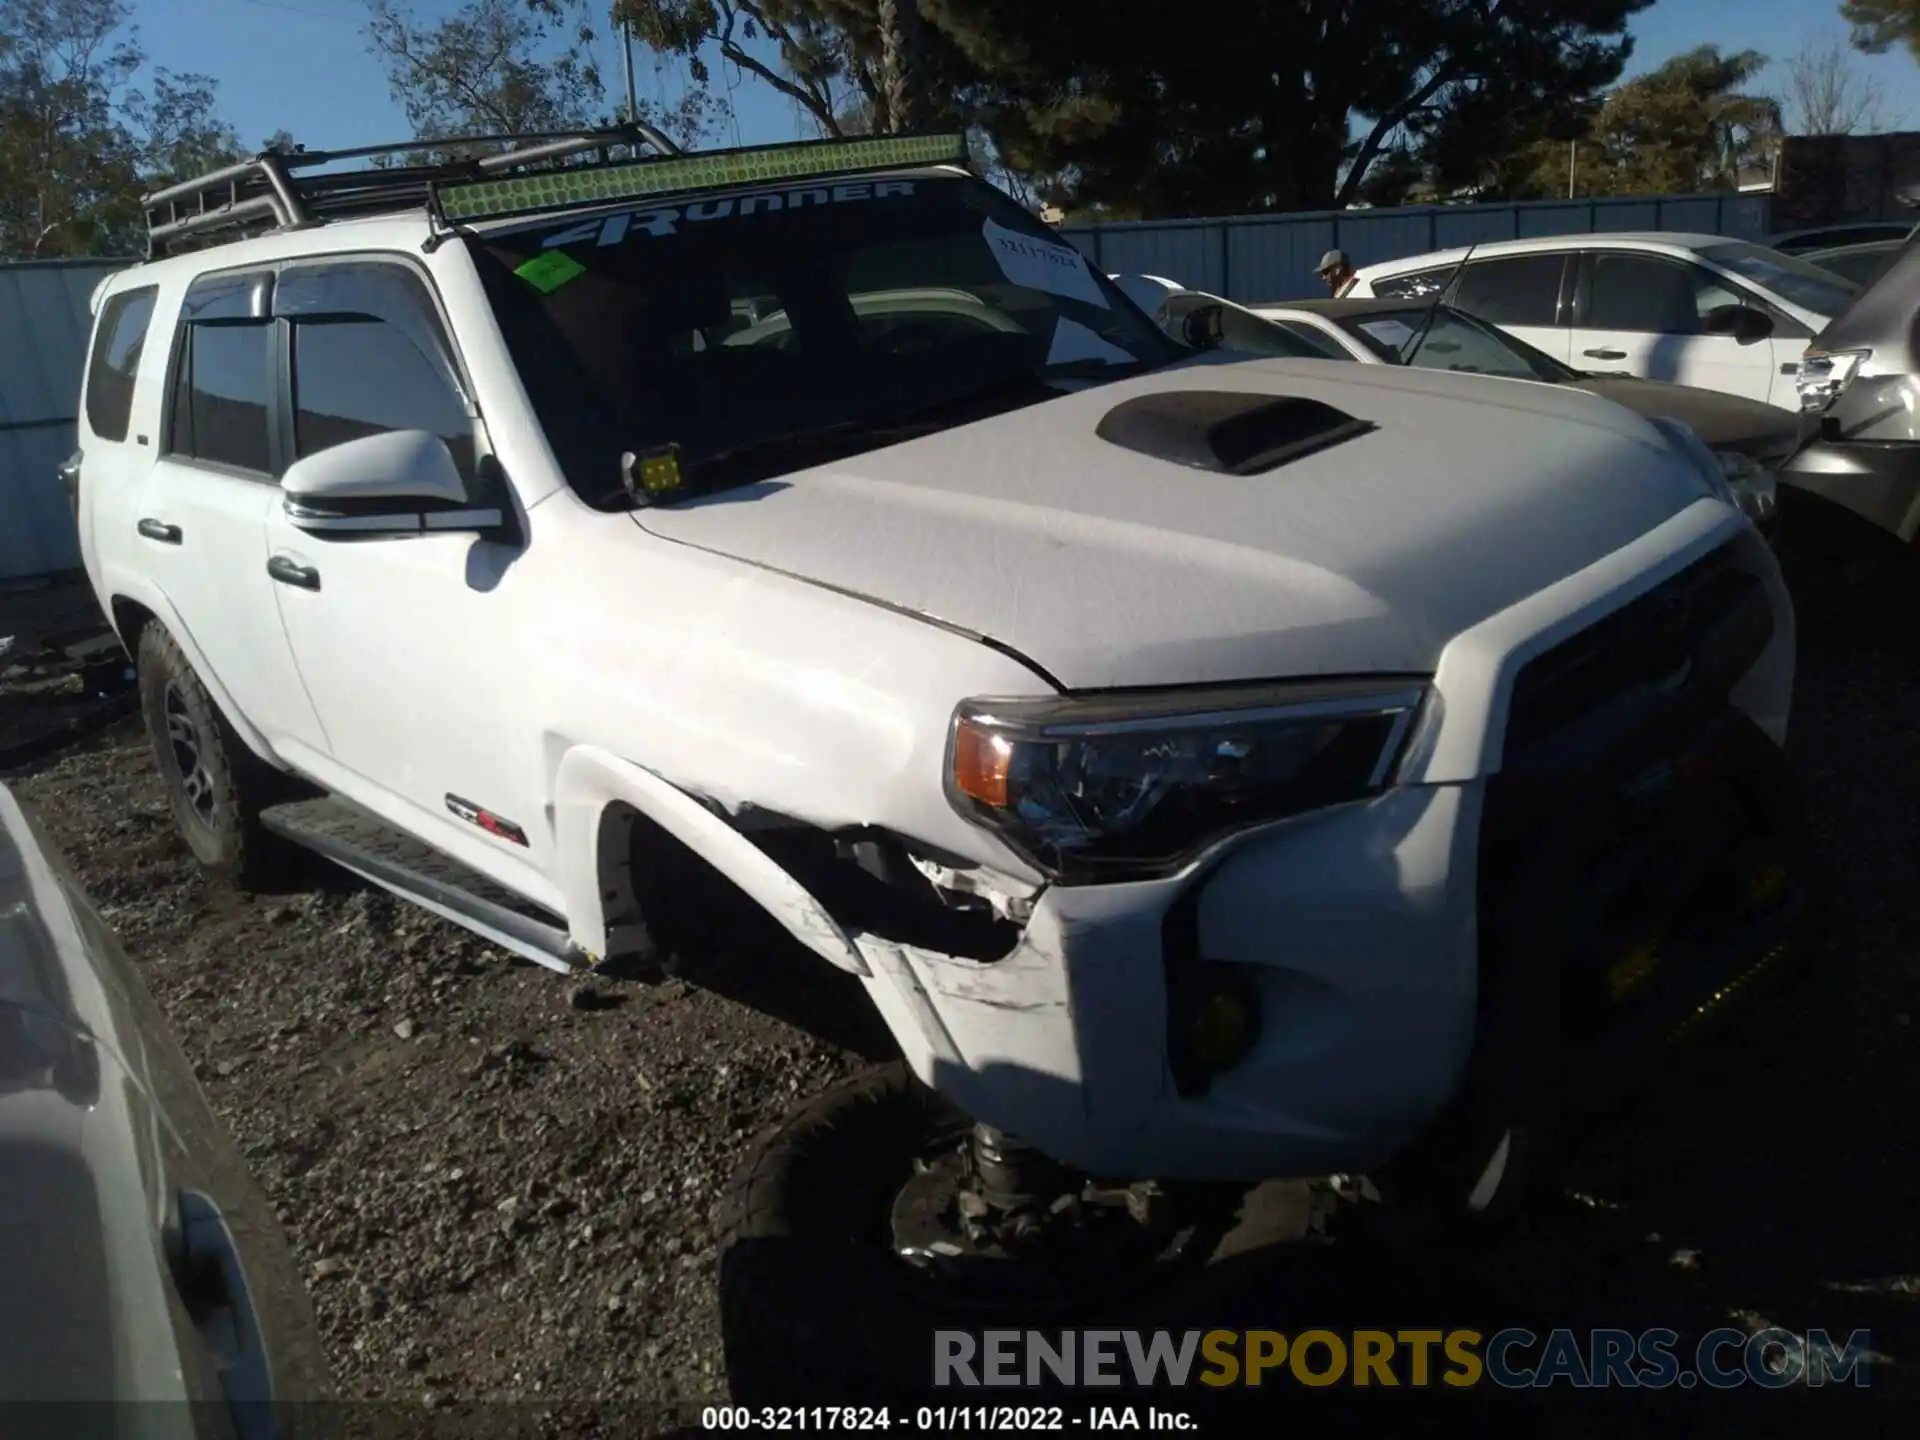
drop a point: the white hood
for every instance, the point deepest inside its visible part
(1110, 568)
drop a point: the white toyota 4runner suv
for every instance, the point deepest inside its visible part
(1210, 768)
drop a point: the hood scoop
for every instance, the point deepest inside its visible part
(1227, 432)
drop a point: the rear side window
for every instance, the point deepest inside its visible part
(1513, 290)
(1420, 283)
(221, 394)
(120, 336)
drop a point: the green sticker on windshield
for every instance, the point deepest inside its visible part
(551, 269)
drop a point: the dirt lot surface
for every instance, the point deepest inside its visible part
(501, 1185)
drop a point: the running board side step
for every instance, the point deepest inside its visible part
(363, 843)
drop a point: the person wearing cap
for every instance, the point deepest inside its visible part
(1337, 270)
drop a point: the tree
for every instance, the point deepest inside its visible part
(175, 130)
(506, 67)
(898, 24)
(1827, 95)
(810, 65)
(1218, 106)
(848, 66)
(1687, 126)
(79, 143)
(1879, 25)
(480, 70)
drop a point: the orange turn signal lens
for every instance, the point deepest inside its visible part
(982, 761)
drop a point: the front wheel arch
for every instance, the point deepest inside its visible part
(590, 790)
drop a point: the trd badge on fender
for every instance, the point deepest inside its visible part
(488, 821)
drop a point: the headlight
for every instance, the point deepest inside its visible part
(1824, 374)
(1125, 786)
(1754, 486)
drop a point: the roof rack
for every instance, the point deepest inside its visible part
(274, 191)
(540, 174)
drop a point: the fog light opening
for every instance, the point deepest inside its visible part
(1225, 1025)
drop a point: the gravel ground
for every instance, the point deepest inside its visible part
(501, 1186)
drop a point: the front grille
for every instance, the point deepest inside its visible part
(1681, 646)
(1622, 839)
(1610, 913)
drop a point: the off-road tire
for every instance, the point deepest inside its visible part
(218, 813)
(814, 1306)
(792, 1274)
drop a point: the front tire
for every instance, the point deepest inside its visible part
(807, 1308)
(817, 1305)
(215, 786)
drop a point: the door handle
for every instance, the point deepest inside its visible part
(1790, 368)
(160, 530)
(1604, 354)
(292, 572)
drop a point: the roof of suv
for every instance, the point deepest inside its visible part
(372, 232)
(1670, 242)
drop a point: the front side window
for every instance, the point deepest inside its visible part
(120, 336)
(761, 333)
(369, 356)
(223, 387)
(1648, 295)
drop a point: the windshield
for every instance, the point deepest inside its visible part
(1794, 280)
(1454, 342)
(760, 332)
(1246, 331)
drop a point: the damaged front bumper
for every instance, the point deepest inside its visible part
(1354, 930)
(1377, 941)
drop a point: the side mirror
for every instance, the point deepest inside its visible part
(1742, 322)
(402, 482)
(1205, 327)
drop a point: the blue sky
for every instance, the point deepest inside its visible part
(303, 65)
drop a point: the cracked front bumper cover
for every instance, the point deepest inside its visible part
(1364, 930)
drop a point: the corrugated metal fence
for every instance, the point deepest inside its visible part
(43, 343)
(1255, 258)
